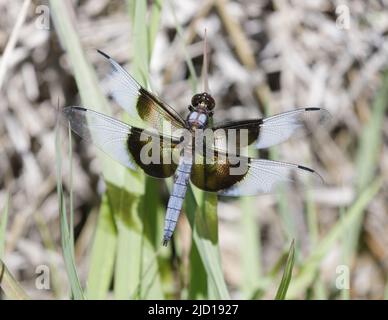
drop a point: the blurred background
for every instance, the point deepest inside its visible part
(266, 57)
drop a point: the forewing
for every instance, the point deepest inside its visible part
(138, 101)
(122, 142)
(267, 132)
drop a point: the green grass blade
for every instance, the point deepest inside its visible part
(140, 34)
(282, 203)
(287, 218)
(10, 286)
(371, 138)
(198, 285)
(156, 11)
(136, 246)
(250, 253)
(50, 247)
(129, 243)
(152, 217)
(7, 52)
(286, 278)
(319, 291)
(310, 267)
(204, 223)
(3, 226)
(84, 75)
(346, 254)
(103, 254)
(67, 244)
(193, 75)
(71, 202)
(368, 156)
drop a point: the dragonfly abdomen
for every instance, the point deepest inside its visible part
(175, 203)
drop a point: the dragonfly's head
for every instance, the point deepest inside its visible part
(203, 101)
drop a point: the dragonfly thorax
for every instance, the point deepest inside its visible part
(197, 119)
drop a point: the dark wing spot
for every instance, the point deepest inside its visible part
(103, 54)
(305, 168)
(79, 108)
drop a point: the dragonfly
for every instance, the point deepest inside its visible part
(227, 171)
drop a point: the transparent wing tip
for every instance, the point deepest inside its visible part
(69, 110)
(312, 172)
(69, 114)
(65, 115)
(103, 54)
(322, 115)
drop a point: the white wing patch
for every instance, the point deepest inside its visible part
(122, 87)
(265, 176)
(108, 134)
(279, 128)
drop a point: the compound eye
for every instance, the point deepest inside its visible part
(210, 103)
(195, 100)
